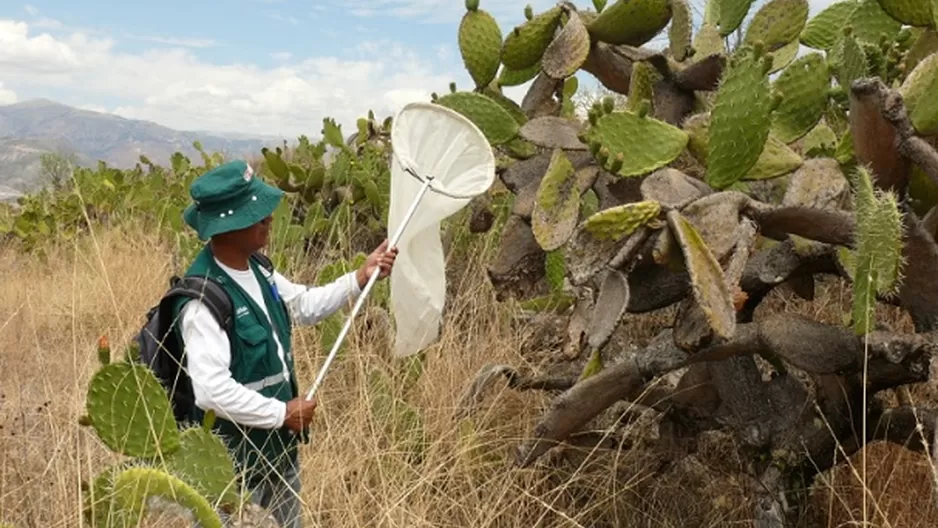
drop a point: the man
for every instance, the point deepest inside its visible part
(248, 377)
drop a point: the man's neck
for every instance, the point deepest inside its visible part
(231, 257)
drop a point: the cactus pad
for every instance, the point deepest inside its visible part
(568, 51)
(646, 144)
(681, 30)
(731, 14)
(825, 28)
(672, 188)
(709, 285)
(740, 120)
(848, 60)
(130, 412)
(708, 42)
(557, 203)
(480, 44)
(777, 23)
(494, 121)
(870, 22)
(609, 309)
(135, 486)
(820, 141)
(925, 45)
(512, 77)
(641, 85)
(525, 44)
(204, 462)
(910, 12)
(803, 87)
(784, 56)
(631, 22)
(919, 93)
(616, 223)
(777, 159)
(818, 184)
(553, 132)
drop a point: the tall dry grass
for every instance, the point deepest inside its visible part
(354, 474)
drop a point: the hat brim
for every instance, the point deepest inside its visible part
(261, 203)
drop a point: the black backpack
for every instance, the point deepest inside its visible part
(158, 344)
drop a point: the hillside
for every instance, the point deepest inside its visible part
(30, 128)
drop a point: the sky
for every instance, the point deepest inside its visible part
(257, 67)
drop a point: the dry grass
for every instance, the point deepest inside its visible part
(52, 312)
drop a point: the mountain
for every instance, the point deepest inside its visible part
(32, 128)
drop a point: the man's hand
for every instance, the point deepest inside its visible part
(381, 257)
(299, 414)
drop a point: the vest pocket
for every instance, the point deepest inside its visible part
(257, 363)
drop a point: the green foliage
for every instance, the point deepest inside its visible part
(130, 413)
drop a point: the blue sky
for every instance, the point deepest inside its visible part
(250, 66)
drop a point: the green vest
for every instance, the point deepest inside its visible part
(258, 453)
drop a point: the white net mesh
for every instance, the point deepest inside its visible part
(429, 141)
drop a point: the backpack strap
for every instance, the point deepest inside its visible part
(209, 292)
(264, 261)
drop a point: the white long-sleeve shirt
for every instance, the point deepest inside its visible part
(208, 353)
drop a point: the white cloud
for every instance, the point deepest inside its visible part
(175, 88)
(175, 41)
(7, 96)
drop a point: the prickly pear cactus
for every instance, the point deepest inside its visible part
(191, 467)
(736, 164)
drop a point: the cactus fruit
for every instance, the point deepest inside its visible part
(557, 203)
(910, 12)
(731, 14)
(495, 122)
(824, 29)
(104, 350)
(569, 49)
(135, 486)
(480, 44)
(919, 94)
(777, 23)
(631, 22)
(804, 88)
(525, 44)
(709, 284)
(129, 411)
(618, 222)
(740, 120)
(646, 143)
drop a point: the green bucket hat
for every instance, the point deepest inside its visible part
(228, 198)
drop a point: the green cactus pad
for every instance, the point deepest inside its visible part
(511, 77)
(848, 61)
(130, 411)
(681, 31)
(557, 203)
(784, 56)
(709, 285)
(777, 23)
(631, 22)
(821, 141)
(869, 22)
(494, 121)
(910, 12)
(776, 160)
(568, 51)
(641, 85)
(925, 45)
(505, 102)
(203, 461)
(804, 87)
(826, 28)
(616, 223)
(480, 44)
(731, 14)
(101, 507)
(920, 94)
(525, 44)
(135, 486)
(708, 42)
(646, 143)
(740, 120)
